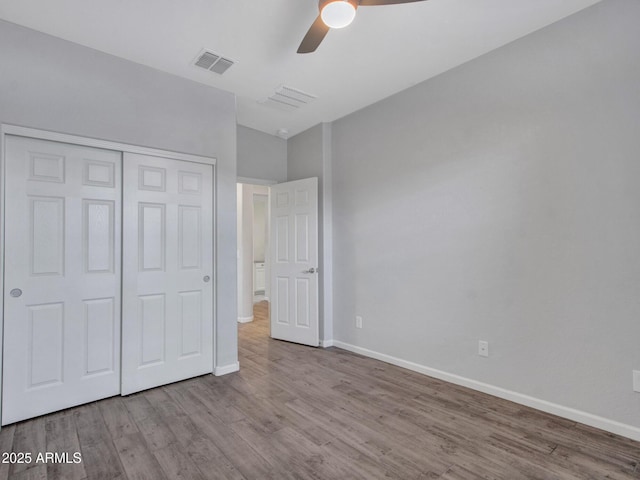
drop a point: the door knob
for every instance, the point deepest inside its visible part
(206, 278)
(15, 293)
(311, 270)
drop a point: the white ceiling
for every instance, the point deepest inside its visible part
(384, 51)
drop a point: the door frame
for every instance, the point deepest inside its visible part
(20, 131)
(267, 260)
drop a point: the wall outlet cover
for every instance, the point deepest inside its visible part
(358, 321)
(636, 381)
(483, 348)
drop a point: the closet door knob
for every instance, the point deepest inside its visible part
(15, 293)
(206, 278)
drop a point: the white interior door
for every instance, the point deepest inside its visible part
(62, 277)
(294, 261)
(168, 271)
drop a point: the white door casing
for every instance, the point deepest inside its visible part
(294, 261)
(61, 276)
(168, 271)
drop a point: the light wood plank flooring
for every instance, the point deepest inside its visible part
(295, 412)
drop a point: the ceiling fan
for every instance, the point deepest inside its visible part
(337, 14)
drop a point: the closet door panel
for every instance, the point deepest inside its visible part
(168, 271)
(62, 276)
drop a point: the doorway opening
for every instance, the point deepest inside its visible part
(287, 259)
(253, 254)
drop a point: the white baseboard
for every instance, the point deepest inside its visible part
(579, 416)
(226, 369)
(327, 343)
(245, 319)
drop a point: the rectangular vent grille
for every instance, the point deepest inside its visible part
(221, 66)
(288, 99)
(213, 62)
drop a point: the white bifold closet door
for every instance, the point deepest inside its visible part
(62, 276)
(168, 270)
(73, 296)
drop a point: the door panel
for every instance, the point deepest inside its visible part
(45, 342)
(190, 313)
(294, 277)
(168, 265)
(189, 237)
(98, 229)
(152, 319)
(152, 236)
(99, 343)
(62, 239)
(46, 242)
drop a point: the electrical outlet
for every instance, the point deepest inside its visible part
(483, 348)
(358, 321)
(636, 381)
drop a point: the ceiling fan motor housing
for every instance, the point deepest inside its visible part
(338, 13)
(324, 3)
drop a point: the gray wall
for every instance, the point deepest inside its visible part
(500, 201)
(309, 155)
(261, 156)
(52, 84)
(304, 154)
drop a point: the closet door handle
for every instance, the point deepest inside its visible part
(15, 293)
(206, 278)
(311, 270)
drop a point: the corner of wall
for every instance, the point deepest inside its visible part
(327, 231)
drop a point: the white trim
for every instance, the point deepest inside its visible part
(226, 369)
(596, 421)
(2, 203)
(327, 343)
(255, 181)
(245, 319)
(214, 272)
(104, 144)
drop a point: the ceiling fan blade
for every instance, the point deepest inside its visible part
(372, 3)
(314, 36)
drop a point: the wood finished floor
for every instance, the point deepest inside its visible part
(296, 412)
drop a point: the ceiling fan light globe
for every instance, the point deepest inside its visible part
(338, 14)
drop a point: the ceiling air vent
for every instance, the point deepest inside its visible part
(288, 99)
(213, 62)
